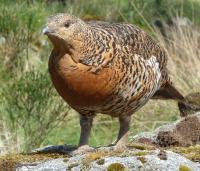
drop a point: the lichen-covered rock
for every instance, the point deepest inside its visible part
(120, 162)
(184, 132)
(192, 152)
(54, 164)
(167, 148)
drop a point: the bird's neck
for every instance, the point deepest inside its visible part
(72, 49)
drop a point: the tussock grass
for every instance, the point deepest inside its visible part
(183, 47)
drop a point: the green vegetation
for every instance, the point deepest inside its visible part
(192, 152)
(116, 166)
(142, 159)
(184, 168)
(31, 112)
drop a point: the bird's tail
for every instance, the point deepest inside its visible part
(187, 105)
(168, 92)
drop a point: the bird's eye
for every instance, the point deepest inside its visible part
(67, 24)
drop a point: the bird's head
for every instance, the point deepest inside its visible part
(64, 30)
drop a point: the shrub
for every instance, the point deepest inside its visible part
(32, 109)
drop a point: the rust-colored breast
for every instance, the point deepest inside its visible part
(77, 85)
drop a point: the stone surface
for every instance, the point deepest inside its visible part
(148, 162)
(164, 149)
(55, 164)
(184, 132)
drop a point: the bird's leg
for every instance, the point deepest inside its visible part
(123, 132)
(86, 125)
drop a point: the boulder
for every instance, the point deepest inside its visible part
(184, 132)
(172, 147)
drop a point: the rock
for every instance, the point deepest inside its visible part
(184, 132)
(119, 162)
(55, 164)
(145, 153)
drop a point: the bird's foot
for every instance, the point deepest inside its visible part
(120, 146)
(82, 150)
(113, 144)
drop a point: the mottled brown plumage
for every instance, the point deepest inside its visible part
(109, 68)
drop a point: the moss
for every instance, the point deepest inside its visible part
(72, 165)
(11, 160)
(140, 146)
(116, 167)
(142, 159)
(98, 154)
(100, 161)
(141, 153)
(193, 98)
(90, 157)
(162, 155)
(95, 155)
(65, 160)
(192, 152)
(184, 168)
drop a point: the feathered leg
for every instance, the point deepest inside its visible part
(123, 132)
(86, 125)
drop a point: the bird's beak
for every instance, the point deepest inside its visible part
(47, 30)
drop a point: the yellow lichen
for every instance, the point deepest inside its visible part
(95, 155)
(72, 165)
(142, 159)
(65, 160)
(10, 161)
(140, 146)
(193, 98)
(90, 157)
(141, 153)
(98, 154)
(192, 152)
(116, 167)
(184, 168)
(100, 161)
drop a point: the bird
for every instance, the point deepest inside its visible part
(107, 68)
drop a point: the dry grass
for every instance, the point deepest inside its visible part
(183, 47)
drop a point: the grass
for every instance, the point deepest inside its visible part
(32, 112)
(24, 58)
(184, 61)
